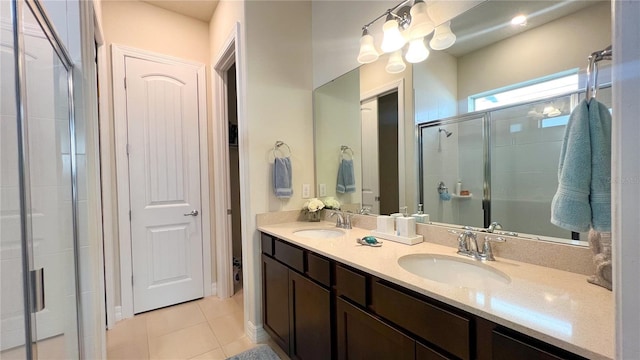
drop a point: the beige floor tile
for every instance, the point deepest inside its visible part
(183, 344)
(239, 298)
(227, 328)
(216, 354)
(14, 353)
(165, 321)
(131, 351)
(127, 331)
(237, 346)
(213, 307)
(57, 347)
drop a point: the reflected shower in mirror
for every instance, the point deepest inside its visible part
(451, 126)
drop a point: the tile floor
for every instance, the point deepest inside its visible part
(209, 328)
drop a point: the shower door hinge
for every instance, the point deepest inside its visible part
(125, 83)
(228, 211)
(131, 280)
(129, 215)
(127, 149)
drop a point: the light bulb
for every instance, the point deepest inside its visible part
(520, 20)
(443, 37)
(368, 52)
(393, 39)
(395, 64)
(421, 23)
(417, 51)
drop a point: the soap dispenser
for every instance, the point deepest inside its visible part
(405, 225)
(420, 216)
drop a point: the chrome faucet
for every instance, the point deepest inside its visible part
(343, 219)
(494, 225)
(468, 245)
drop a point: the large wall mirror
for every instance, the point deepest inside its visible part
(488, 112)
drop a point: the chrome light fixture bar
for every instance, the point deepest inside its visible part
(405, 24)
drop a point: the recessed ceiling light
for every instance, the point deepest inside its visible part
(519, 20)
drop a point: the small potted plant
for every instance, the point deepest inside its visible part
(313, 209)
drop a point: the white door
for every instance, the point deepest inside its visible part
(370, 182)
(164, 171)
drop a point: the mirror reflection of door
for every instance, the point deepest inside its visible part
(380, 154)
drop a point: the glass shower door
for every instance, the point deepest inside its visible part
(45, 216)
(12, 299)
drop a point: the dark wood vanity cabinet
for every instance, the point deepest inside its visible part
(275, 292)
(297, 309)
(361, 335)
(316, 308)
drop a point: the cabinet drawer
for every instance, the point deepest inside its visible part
(267, 244)
(509, 346)
(352, 285)
(425, 353)
(319, 269)
(289, 255)
(440, 327)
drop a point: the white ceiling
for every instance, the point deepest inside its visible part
(197, 9)
(490, 22)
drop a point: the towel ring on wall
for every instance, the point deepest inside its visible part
(276, 149)
(345, 150)
(592, 70)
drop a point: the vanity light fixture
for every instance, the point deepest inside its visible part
(393, 39)
(443, 37)
(404, 24)
(417, 52)
(395, 64)
(551, 111)
(368, 52)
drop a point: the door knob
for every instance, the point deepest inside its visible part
(192, 213)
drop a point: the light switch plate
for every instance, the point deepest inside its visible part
(322, 190)
(306, 191)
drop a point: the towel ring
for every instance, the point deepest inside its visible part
(276, 149)
(592, 70)
(345, 150)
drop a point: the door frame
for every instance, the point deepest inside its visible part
(118, 55)
(397, 85)
(229, 54)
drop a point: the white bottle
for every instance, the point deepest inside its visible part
(458, 187)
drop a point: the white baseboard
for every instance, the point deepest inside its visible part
(214, 289)
(256, 334)
(118, 313)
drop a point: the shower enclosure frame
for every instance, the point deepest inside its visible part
(30, 301)
(486, 139)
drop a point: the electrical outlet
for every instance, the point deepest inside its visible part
(306, 191)
(322, 190)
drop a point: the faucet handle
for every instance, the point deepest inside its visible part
(347, 219)
(487, 251)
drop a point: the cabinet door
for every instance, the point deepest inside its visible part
(362, 336)
(509, 345)
(275, 291)
(310, 319)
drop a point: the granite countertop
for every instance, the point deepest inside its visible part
(555, 306)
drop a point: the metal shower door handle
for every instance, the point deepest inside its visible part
(192, 213)
(37, 290)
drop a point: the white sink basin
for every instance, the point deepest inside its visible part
(319, 233)
(454, 271)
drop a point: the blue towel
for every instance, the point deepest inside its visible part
(282, 178)
(583, 198)
(600, 197)
(346, 179)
